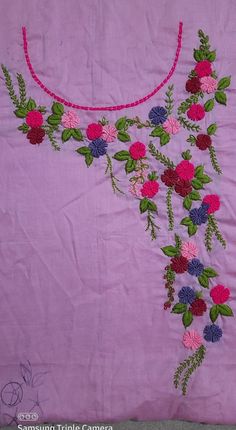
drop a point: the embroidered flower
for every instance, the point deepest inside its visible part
(109, 133)
(185, 170)
(203, 68)
(183, 188)
(196, 112)
(198, 307)
(137, 150)
(179, 264)
(189, 250)
(36, 135)
(171, 125)
(157, 115)
(220, 294)
(208, 84)
(203, 141)
(70, 119)
(150, 189)
(192, 340)
(94, 131)
(212, 333)
(195, 267)
(98, 147)
(34, 119)
(199, 215)
(213, 201)
(169, 177)
(186, 295)
(193, 85)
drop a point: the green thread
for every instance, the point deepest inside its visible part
(184, 106)
(208, 236)
(22, 89)
(170, 212)
(169, 100)
(186, 368)
(9, 86)
(160, 157)
(114, 180)
(151, 225)
(49, 132)
(215, 228)
(204, 40)
(188, 125)
(169, 277)
(137, 121)
(178, 243)
(214, 161)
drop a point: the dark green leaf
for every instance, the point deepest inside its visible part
(54, 119)
(164, 139)
(179, 308)
(123, 136)
(83, 150)
(224, 83)
(157, 132)
(121, 123)
(198, 55)
(152, 206)
(88, 159)
(20, 113)
(31, 105)
(206, 179)
(211, 56)
(130, 165)
(77, 134)
(199, 171)
(187, 319)
(203, 281)
(186, 155)
(194, 195)
(192, 229)
(221, 97)
(67, 134)
(143, 205)
(225, 310)
(209, 105)
(24, 128)
(214, 312)
(209, 272)
(170, 251)
(197, 184)
(57, 108)
(186, 221)
(187, 203)
(122, 155)
(211, 129)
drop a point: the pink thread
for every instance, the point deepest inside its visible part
(102, 108)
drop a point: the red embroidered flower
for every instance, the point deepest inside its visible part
(203, 141)
(179, 264)
(196, 112)
(150, 189)
(220, 294)
(183, 188)
(169, 177)
(198, 307)
(36, 135)
(193, 85)
(185, 170)
(137, 150)
(203, 68)
(34, 118)
(94, 131)
(213, 201)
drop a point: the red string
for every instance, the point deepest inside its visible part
(102, 108)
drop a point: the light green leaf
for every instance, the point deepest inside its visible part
(31, 105)
(187, 203)
(122, 155)
(221, 97)
(209, 105)
(186, 221)
(195, 195)
(152, 206)
(58, 109)
(198, 55)
(67, 134)
(211, 56)
(224, 83)
(88, 159)
(54, 119)
(225, 310)
(157, 132)
(209, 272)
(192, 229)
(179, 308)
(170, 251)
(211, 129)
(20, 113)
(187, 319)
(77, 134)
(197, 184)
(83, 150)
(214, 312)
(164, 139)
(143, 205)
(123, 136)
(130, 165)
(203, 281)
(121, 123)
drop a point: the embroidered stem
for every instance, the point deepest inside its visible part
(169, 278)
(215, 228)
(151, 225)
(160, 157)
(112, 176)
(214, 161)
(208, 237)
(178, 243)
(170, 212)
(189, 125)
(187, 367)
(22, 89)
(9, 86)
(184, 106)
(49, 132)
(137, 121)
(169, 100)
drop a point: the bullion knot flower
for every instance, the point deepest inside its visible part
(203, 68)
(203, 141)
(94, 131)
(192, 340)
(186, 295)
(169, 177)
(212, 333)
(199, 216)
(137, 150)
(70, 119)
(179, 264)
(193, 85)
(185, 170)
(213, 202)
(208, 84)
(109, 133)
(171, 125)
(183, 188)
(34, 119)
(150, 189)
(98, 147)
(36, 135)
(195, 267)
(158, 115)
(220, 294)
(198, 307)
(196, 112)
(189, 250)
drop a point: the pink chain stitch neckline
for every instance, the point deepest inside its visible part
(101, 108)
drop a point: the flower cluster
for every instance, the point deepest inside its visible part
(179, 178)
(34, 119)
(190, 304)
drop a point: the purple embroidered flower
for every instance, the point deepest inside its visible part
(98, 147)
(199, 215)
(212, 333)
(195, 267)
(186, 295)
(157, 115)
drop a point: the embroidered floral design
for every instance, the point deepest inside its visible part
(192, 340)
(212, 333)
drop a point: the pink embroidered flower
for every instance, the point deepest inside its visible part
(192, 340)
(70, 119)
(196, 112)
(203, 68)
(213, 201)
(34, 119)
(185, 170)
(137, 150)
(171, 125)
(94, 131)
(220, 294)
(109, 133)
(208, 84)
(150, 189)
(189, 250)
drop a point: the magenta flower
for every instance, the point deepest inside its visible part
(213, 201)
(192, 340)
(185, 170)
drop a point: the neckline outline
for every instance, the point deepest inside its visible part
(101, 108)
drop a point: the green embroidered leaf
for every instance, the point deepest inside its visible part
(121, 123)
(88, 159)
(54, 119)
(225, 310)
(221, 97)
(186, 155)
(157, 132)
(211, 56)
(206, 179)
(152, 206)
(170, 251)
(57, 108)
(187, 319)
(130, 165)
(203, 281)
(122, 155)
(198, 55)
(24, 128)
(197, 184)
(211, 129)
(186, 221)
(199, 170)
(20, 113)
(67, 134)
(209, 105)
(179, 308)
(83, 150)
(143, 205)
(164, 139)
(195, 195)
(31, 105)
(209, 272)
(192, 229)
(187, 203)
(123, 136)
(214, 312)
(77, 134)
(224, 83)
